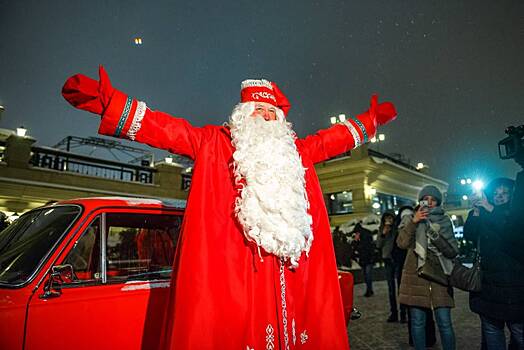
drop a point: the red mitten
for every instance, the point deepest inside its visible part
(386, 112)
(377, 114)
(88, 94)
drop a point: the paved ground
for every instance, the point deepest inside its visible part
(372, 331)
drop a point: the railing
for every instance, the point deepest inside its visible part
(49, 158)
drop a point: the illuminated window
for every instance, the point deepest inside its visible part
(339, 203)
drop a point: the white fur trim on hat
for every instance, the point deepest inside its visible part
(256, 82)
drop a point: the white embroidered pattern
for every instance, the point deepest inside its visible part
(303, 337)
(353, 132)
(294, 334)
(270, 337)
(263, 94)
(136, 124)
(283, 298)
(256, 82)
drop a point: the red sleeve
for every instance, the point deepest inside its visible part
(338, 139)
(129, 118)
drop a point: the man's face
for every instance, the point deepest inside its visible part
(265, 110)
(501, 195)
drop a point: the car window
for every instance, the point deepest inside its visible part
(85, 254)
(140, 246)
(25, 244)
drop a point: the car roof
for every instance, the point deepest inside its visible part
(161, 203)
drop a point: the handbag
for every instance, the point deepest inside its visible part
(467, 278)
(432, 270)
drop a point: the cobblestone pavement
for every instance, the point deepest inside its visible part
(372, 331)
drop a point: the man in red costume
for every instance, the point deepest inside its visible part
(255, 267)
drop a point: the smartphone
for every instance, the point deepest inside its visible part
(424, 203)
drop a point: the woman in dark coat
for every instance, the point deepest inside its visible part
(500, 302)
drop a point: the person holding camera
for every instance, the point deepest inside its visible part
(500, 302)
(429, 239)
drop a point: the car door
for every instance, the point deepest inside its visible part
(117, 292)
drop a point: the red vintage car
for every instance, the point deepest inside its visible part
(92, 273)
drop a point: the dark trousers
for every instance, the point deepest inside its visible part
(494, 337)
(368, 277)
(393, 274)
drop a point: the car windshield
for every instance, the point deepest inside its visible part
(29, 239)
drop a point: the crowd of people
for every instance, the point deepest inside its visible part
(412, 241)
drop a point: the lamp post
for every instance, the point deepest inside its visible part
(21, 131)
(337, 119)
(378, 139)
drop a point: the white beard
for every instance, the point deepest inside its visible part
(272, 204)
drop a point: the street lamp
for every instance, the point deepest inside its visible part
(21, 131)
(335, 119)
(420, 165)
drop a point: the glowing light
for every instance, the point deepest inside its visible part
(138, 41)
(333, 120)
(376, 205)
(168, 160)
(468, 181)
(21, 131)
(453, 217)
(342, 117)
(464, 197)
(373, 140)
(420, 165)
(462, 181)
(381, 137)
(478, 185)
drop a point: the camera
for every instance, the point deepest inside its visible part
(512, 147)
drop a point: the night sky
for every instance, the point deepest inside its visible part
(454, 69)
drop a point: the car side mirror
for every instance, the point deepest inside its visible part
(53, 286)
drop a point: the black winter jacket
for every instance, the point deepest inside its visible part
(502, 294)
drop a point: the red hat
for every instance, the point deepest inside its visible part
(263, 91)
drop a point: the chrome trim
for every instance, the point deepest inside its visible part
(103, 247)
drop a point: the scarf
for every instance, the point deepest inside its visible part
(440, 223)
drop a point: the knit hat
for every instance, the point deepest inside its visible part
(261, 90)
(430, 190)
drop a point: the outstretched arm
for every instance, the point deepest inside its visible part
(125, 117)
(355, 131)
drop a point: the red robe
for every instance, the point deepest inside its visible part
(223, 296)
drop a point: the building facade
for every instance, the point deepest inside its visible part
(365, 182)
(31, 176)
